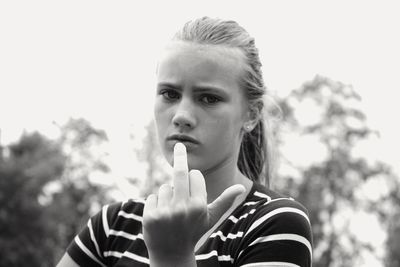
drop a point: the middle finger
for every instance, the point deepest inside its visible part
(181, 177)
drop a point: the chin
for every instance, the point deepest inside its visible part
(197, 165)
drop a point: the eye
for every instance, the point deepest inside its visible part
(210, 99)
(170, 94)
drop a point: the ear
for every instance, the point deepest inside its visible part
(252, 118)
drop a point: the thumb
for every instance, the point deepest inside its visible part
(220, 205)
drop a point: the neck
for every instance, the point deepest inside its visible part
(223, 176)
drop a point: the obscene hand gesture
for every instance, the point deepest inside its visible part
(176, 218)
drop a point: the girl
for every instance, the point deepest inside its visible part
(208, 112)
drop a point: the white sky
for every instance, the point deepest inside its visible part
(96, 59)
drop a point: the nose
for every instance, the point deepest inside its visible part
(184, 118)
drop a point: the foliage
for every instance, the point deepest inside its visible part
(327, 186)
(388, 208)
(80, 143)
(32, 163)
(157, 167)
(46, 193)
(393, 241)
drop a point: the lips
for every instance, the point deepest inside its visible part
(182, 138)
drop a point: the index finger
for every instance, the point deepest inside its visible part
(181, 173)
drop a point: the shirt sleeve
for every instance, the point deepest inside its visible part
(278, 235)
(88, 246)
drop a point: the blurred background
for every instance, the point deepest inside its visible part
(76, 131)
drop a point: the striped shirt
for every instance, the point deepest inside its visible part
(266, 229)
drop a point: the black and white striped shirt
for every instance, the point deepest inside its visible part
(267, 229)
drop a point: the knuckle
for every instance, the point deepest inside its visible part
(179, 210)
(164, 214)
(149, 218)
(198, 205)
(156, 217)
(165, 187)
(180, 173)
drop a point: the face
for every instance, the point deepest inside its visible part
(200, 103)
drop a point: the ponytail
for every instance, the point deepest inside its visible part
(255, 155)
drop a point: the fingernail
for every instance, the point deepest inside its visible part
(179, 147)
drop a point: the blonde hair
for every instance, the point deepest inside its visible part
(255, 156)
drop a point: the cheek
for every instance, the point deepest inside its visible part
(227, 131)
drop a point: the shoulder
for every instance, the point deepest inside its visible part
(268, 204)
(269, 200)
(277, 226)
(277, 213)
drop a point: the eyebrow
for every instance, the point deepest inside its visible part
(210, 89)
(201, 88)
(168, 84)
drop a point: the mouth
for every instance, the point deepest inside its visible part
(185, 139)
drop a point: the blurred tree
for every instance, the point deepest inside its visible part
(26, 236)
(392, 258)
(46, 194)
(157, 168)
(327, 113)
(74, 197)
(388, 207)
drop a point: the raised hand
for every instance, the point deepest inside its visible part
(176, 218)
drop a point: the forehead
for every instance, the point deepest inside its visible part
(202, 62)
